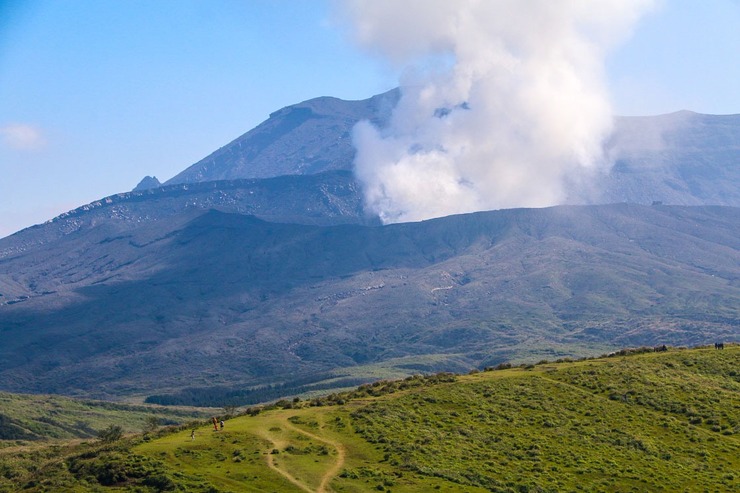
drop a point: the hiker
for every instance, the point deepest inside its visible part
(222, 424)
(215, 424)
(192, 435)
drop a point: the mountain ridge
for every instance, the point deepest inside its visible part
(332, 195)
(305, 138)
(680, 158)
(226, 299)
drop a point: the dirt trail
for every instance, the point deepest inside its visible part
(278, 444)
(271, 464)
(330, 474)
(341, 454)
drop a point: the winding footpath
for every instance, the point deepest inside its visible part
(330, 474)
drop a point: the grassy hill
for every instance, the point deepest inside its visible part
(26, 418)
(667, 421)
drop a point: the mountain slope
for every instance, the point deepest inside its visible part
(306, 138)
(681, 158)
(157, 289)
(222, 299)
(327, 198)
(663, 421)
(46, 417)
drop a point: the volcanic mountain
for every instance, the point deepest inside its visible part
(222, 299)
(259, 266)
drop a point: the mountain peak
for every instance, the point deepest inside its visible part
(146, 183)
(301, 139)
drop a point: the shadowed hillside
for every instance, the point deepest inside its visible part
(223, 300)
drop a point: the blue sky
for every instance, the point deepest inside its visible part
(96, 94)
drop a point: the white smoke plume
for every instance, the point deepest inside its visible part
(503, 102)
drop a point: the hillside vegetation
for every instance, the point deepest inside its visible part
(26, 418)
(665, 421)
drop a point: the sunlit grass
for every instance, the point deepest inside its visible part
(648, 422)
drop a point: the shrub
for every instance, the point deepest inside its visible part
(151, 424)
(110, 434)
(161, 482)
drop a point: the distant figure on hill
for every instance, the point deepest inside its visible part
(659, 349)
(222, 424)
(192, 435)
(215, 423)
(719, 345)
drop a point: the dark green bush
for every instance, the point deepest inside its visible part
(110, 434)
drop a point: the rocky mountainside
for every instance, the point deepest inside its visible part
(303, 139)
(147, 183)
(327, 198)
(681, 158)
(214, 299)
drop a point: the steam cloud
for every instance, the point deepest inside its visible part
(504, 102)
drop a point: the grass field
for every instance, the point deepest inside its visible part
(665, 421)
(26, 418)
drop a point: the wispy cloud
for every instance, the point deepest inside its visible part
(22, 137)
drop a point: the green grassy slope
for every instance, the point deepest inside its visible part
(38, 417)
(647, 422)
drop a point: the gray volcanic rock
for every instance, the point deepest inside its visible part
(682, 158)
(258, 264)
(146, 183)
(306, 138)
(323, 199)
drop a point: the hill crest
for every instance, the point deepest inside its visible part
(652, 421)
